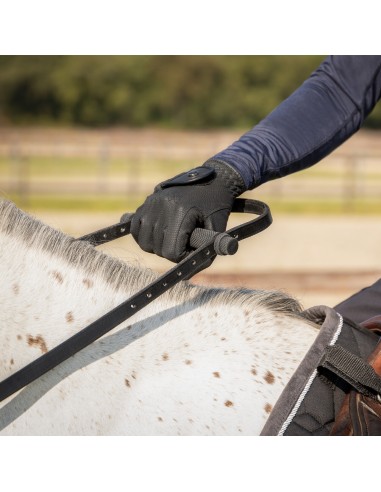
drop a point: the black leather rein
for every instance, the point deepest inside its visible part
(207, 243)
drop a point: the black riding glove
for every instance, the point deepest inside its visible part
(202, 197)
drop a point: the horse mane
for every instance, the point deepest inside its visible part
(119, 274)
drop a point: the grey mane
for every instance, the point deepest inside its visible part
(118, 274)
(81, 254)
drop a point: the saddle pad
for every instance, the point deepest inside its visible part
(310, 402)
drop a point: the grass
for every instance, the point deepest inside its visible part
(40, 166)
(54, 203)
(121, 204)
(325, 207)
(33, 169)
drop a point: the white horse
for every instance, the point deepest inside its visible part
(196, 361)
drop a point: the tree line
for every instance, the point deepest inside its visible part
(166, 91)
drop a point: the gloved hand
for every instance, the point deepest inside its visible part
(202, 197)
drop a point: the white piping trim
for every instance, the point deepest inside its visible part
(338, 331)
(290, 418)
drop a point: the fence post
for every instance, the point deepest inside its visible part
(103, 167)
(19, 168)
(350, 184)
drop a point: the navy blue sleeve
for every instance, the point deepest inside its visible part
(320, 115)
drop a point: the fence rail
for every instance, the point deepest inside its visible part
(130, 167)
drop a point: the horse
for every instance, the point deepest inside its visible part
(197, 361)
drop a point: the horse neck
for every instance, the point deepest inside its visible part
(45, 298)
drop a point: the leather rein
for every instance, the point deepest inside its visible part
(207, 245)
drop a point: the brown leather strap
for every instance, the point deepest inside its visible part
(360, 415)
(373, 324)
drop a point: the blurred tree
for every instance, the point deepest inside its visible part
(170, 91)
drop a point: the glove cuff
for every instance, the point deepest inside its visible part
(231, 178)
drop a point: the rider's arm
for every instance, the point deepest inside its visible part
(321, 114)
(327, 109)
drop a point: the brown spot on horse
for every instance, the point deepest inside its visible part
(188, 362)
(216, 374)
(165, 356)
(16, 289)
(228, 403)
(268, 408)
(87, 283)
(69, 317)
(39, 342)
(57, 276)
(269, 377)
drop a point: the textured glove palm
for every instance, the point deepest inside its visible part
(165, 221)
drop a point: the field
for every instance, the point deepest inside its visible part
(322, 246)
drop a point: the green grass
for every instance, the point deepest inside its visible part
(76, 203)
(324, 207)
(56, 168)
(89, 166)
(60, 166)
(121, 204)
